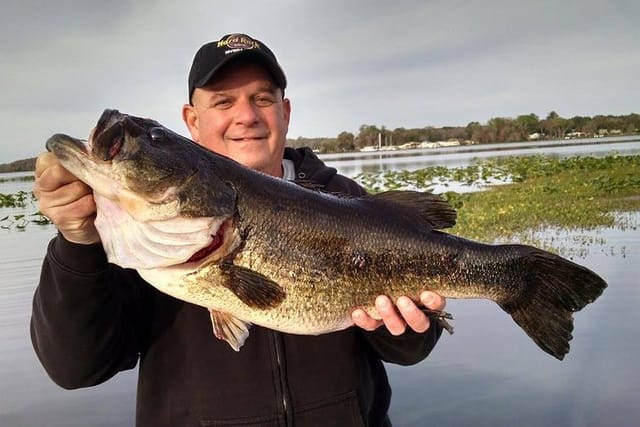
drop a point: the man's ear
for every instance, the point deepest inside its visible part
(190, 118)
(286, 107)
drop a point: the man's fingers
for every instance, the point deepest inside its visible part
(433, 301)
(412, 315)
(53, 177)
(44, 161)
(392, 320)
(363, 320)
(396, 317)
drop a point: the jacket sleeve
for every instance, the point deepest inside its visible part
(86, 322)
(406, 349)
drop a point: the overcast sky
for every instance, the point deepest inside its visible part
(386, 63)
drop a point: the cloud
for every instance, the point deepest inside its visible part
(397, 64)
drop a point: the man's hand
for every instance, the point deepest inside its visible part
(404, 313)
(65, 200)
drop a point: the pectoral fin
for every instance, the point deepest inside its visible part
(229, 328)
(252, 288)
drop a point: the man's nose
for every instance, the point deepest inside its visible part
(246, 112)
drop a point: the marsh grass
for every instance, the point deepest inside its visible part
(537, 193)
(17, 178)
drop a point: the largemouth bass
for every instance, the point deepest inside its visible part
(254, 249)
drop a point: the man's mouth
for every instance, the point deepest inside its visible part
(248, 138)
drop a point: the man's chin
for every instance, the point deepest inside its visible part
(261, 161)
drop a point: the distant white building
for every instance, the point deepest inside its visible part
(369, 148)
(572, 135)
(438, 144)
(449, 143)
(408, 145)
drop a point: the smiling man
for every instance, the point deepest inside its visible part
(92, 319)
(241, 114)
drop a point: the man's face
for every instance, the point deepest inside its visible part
(241, 114)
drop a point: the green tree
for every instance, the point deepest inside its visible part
(527, 124)
(555, 126)
(367, 135)
(346, 142)
(497, 128)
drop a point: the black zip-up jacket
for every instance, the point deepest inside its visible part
(92, 320)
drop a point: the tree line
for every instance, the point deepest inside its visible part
(497, 129)
(19, 165)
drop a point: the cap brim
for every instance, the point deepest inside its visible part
(271, 66)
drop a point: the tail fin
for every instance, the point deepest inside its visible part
(556, 289)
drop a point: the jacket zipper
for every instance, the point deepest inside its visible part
(278, 346)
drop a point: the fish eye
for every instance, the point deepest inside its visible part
(157, 133)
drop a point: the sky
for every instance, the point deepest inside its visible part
(408, 64)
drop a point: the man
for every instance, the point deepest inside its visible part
(92, 319)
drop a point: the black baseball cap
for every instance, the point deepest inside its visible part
(211, 57)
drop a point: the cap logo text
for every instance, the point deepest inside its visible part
(236, 42)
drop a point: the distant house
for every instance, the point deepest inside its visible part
(428, 144)
(369, 148)
(449, 143)
(572, 135)
(438, 144)
(408, 145)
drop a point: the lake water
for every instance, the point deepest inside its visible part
(489, 373)
(352, 164)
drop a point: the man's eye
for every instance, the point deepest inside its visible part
(264, 101)
(223, 103)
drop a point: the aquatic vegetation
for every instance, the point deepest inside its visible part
(539, 192)
(20, 221)
(17, 178)
(15, 200)
(22, 200)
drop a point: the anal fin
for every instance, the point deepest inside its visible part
(229, 328)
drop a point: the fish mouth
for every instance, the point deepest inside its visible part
(107, 140)
(76, 145)
(106, 120)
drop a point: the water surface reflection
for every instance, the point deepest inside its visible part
(489, 373)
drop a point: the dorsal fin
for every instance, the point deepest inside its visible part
(429, 207)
